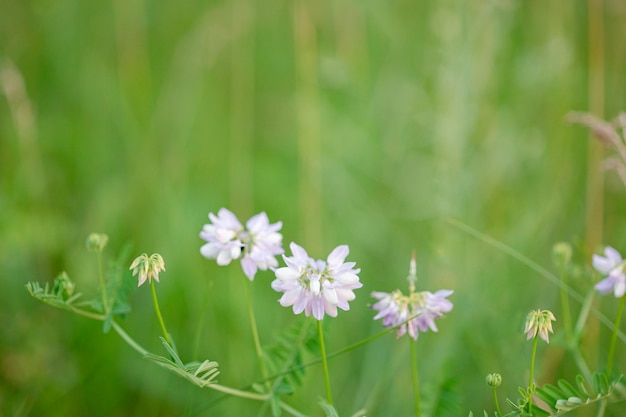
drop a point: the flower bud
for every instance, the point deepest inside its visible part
(147, 267)
(96, 242)
(63, 286)
(494, 380)
(561, 254)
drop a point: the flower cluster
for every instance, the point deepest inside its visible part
(147, 267)
(614, 267)
(314, 286)
(539, 321)
(414, 313)
(257, 244)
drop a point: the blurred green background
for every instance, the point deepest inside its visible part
(352, 121)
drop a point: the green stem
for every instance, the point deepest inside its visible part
(495, 399)
(105, 301)
(609, 362)
(416, 387)
(338, 352)
(158, 312)
(131, 342)
(531, 384)
(255, 336)
(87, 314)
(329, 397)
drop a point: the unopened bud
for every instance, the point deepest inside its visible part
(96, 242)
(494, 380)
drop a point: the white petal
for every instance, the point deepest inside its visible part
(224, 258)
(331, 296)
(613, 254)
(315, 287)
(286, 274)
(209, 250)
(602, 264)
(337, 256)
(298, 252)
(347, 278)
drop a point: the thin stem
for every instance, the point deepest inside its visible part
(531, 384)
(618, 319)
(158, 312)
(495, 399)
(255, 336)
(105, 301)
(291, 410)
(416, 386)
(131, 342)
(329, 397)
(87, 314)
(239, 393)
(338, 352)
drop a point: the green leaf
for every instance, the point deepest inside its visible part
(329, 410)
(284, 357)
(567, 388)
(199, 373)
(60, 296)
(119, 285)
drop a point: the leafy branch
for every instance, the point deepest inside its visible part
(198, 373)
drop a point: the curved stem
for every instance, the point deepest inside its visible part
(416, 386)
(131, 342)
(609, 362)
(329, 397)
(158, 312)
(239, 393)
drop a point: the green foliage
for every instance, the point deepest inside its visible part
(198, 373)
(445, 400)
(119, 285)
(329, 410)
(565, 397)
(61, 295)
(285, 357)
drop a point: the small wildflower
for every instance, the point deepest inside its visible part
(614, 267)
(148, 267)
(314, 286)
(96, 242)
(494, 380)
(259, 242)
(539, 321)
(424, 307)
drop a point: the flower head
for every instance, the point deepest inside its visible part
(147, 267)
(422, 308)
(614, 267)
(415, 312)
(257, 244)
(494, 380)
(317, 287)
(539, 321)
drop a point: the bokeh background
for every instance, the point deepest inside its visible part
(359, 122)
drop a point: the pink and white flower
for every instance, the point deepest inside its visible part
(257, 244)
(614, 267)
(314, 286)
(413, 313)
